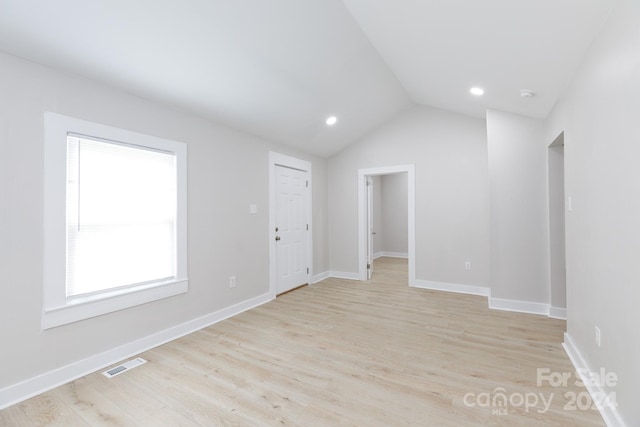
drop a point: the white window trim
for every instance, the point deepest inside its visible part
(57, 309)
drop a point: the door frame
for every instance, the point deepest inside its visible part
(369, 250)
(557, 217)
(277, 159)
(411, 215)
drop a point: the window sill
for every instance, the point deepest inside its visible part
(80, 310)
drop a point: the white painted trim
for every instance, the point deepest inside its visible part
(411, 216)
(33, 386)
(345, 275)
(519, 306)
(558, 313)
(57, 308)
(277, 159)
(610, 414)
(320, 277)
(388, 254)
(369, 233)
(52, 317)
(494, 303)
(452, 287)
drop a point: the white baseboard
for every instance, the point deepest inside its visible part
(18, 392)
(320, 277)
(345, 275)
(390, 254)
(610, 414)
(452, 287)
(519, 306)
(558, 313)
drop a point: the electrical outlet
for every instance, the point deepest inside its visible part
(467, 265)
(598, 336)
(232, 281)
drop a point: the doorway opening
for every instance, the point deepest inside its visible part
(290, 223)
(557, 251)
(367, 233)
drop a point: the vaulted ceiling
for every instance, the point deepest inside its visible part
(279, 68)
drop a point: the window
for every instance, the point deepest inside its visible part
(115, 219)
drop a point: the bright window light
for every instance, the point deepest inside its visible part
(121, 216)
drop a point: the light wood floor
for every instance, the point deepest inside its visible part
(374, 353)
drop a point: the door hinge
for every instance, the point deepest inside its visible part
(307, 270)
(307, 184)
(307, 227)
(368, 266)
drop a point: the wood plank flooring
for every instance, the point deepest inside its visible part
(339, 353)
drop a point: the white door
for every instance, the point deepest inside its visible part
(291, 228)
(370, 231)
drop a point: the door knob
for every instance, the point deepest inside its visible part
(277, 238)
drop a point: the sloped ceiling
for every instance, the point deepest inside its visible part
(439, 49)
(278, 68)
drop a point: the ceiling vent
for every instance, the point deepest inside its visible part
(527, 93)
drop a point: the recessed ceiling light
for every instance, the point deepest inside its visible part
(331, 120)
(476, 91)
(527, 93)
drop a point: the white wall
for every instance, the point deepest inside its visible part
(452, 210)
(394, 213)
(600, 117)
(227, 170)
(518, 196)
